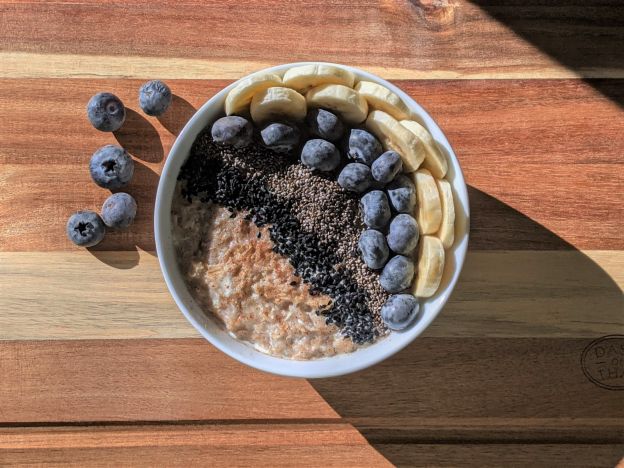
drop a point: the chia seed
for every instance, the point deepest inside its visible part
(311, 221)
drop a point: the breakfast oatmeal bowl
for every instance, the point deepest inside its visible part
(311, 220)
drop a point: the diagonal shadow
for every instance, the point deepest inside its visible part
(585, 37)
(384, 400)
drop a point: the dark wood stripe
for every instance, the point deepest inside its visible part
(241, 445)
(510, 380)
(496, 455)
(542, 158)
(142, 380)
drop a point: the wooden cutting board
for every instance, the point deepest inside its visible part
(98, 367)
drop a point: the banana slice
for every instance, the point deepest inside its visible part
(382, 98)
(239, 98)
(446, 233)
(434, 161)
(278, 102)
(430, 267)
(429, 210)
(339, 98)
(304, 77)
(396, 137)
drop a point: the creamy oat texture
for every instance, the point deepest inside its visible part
(234, 274)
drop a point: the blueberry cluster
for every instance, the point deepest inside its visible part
(392, 233)
(111, 166)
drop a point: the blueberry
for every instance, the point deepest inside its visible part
(106, 112)
(363, 147)
(355, 177)
(403, 234)
(119, 210)
(402, 194)
(324, 124)
(280, 137)
(375, 209)
(386, 167)
(85, 228)
(111, 167)
(399, 311)
(372, 245)
(320, 154)
(232, 131)
(397, 274)
(154, 97)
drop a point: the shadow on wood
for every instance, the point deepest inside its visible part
(140, 138)
(177, 116)
(497, 226)
(586, 38)
(465, 378)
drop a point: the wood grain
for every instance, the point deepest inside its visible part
(496, 455)
(145, 380)
(187, 445)
(541, 148)
(68, 295)
(511, 380)
(446, 38)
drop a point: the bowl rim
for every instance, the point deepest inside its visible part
(332, 366)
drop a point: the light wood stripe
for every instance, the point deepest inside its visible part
(33, 65)
(79, 295)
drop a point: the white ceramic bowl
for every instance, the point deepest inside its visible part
(328, 367)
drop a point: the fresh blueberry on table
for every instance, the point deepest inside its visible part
(402, 194)
(399, 311)
(374, 249)
(280, 137)
(85, 228)
(355, 177)
(119, 210)
(320, 154)
(232, 131)
(111, 167)
(363, 147)
(403, 234)
(397, 275)
(155, 97)
(386, 167)
(324, 124)
(106, 112)
(375, 209)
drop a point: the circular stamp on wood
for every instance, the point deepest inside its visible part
(602, 362)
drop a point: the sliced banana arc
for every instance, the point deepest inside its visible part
(278, 103)
(429, 209)
(339, 98)
(446, 233)
(396, 137)
(434, 161)
(304, 77)
(239, 98)
(380, 97)
(430, 267)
